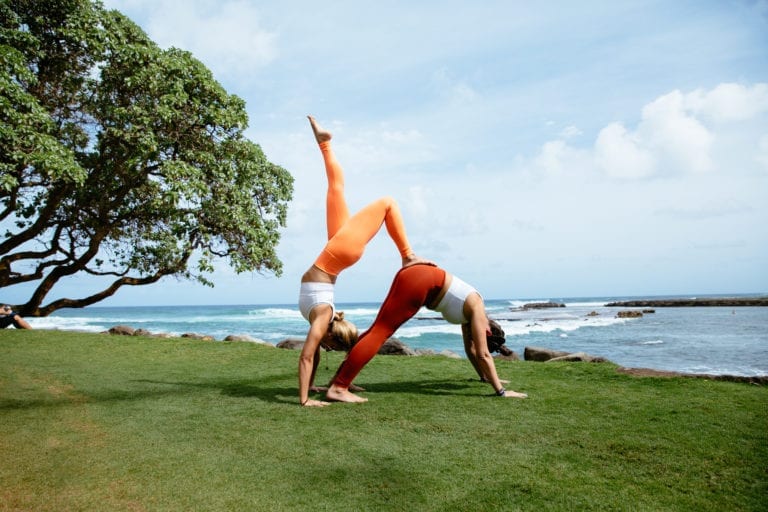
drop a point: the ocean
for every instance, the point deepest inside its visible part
(714, 340)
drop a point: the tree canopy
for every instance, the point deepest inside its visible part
(121, 159)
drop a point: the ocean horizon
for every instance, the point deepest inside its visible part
(714, 340)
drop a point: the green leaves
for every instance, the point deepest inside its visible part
(125, 159)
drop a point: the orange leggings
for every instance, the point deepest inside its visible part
(348, 236)
(412, 288)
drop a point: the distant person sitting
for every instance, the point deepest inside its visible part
(9, 317)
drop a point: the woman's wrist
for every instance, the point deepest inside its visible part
(501, 392)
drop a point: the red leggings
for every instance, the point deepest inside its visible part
(348, 236)
(412, 288)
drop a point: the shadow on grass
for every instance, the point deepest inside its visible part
(266, 389)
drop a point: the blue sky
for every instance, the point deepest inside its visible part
(538, 150)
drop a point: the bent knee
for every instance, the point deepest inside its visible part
(388, 203)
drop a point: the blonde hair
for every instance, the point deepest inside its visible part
(343, 334)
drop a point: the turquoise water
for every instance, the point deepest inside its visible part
(694, 340)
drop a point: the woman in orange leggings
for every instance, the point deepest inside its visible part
(347, 238)
(413, 287)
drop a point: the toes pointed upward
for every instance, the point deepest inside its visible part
(321, 135)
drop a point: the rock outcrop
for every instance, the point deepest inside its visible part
(243, 337)
(672, 303)
(539, 305)
(395, 347)
(546, 354)
(122, 330)
(291, 343)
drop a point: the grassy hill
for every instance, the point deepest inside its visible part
(98, 422)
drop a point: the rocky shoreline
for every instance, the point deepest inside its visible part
(687, 303)
(393, 346)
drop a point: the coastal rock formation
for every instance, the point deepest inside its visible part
(546, 354)
(672, 303)
(122, 330)
(429, 352)
(195, 336)
(629, 314)
(243, 337)
(539, 305)
(579, 357)
(291, 343)
(541, 354)
(395, 347)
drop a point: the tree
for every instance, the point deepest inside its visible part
(120, 159)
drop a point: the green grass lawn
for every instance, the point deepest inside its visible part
(98, 422)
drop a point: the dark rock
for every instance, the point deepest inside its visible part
(122, 330)
(291, 343)
(546, 354)
(579, 357)
(629, 314)
(142, 332)
(543, 305)
(541, 354)
(195, 336)
(672, 303)
(243, 337)
(395, 347)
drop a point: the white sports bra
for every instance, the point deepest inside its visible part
(451, 306)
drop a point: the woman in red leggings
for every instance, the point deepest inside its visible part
(413, 287)
(347, 238)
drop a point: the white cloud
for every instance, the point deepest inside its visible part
(677, 138)
(557, 157)
(620, 154)
(730, 102)
(678, 134)
(225, 35)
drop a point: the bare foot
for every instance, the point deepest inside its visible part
(315, 403)
(320, 389)
(412, 259)
(320, 134)
(515, 394)
(336, 394)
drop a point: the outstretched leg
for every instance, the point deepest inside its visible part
(408, 293)
(336, 210)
